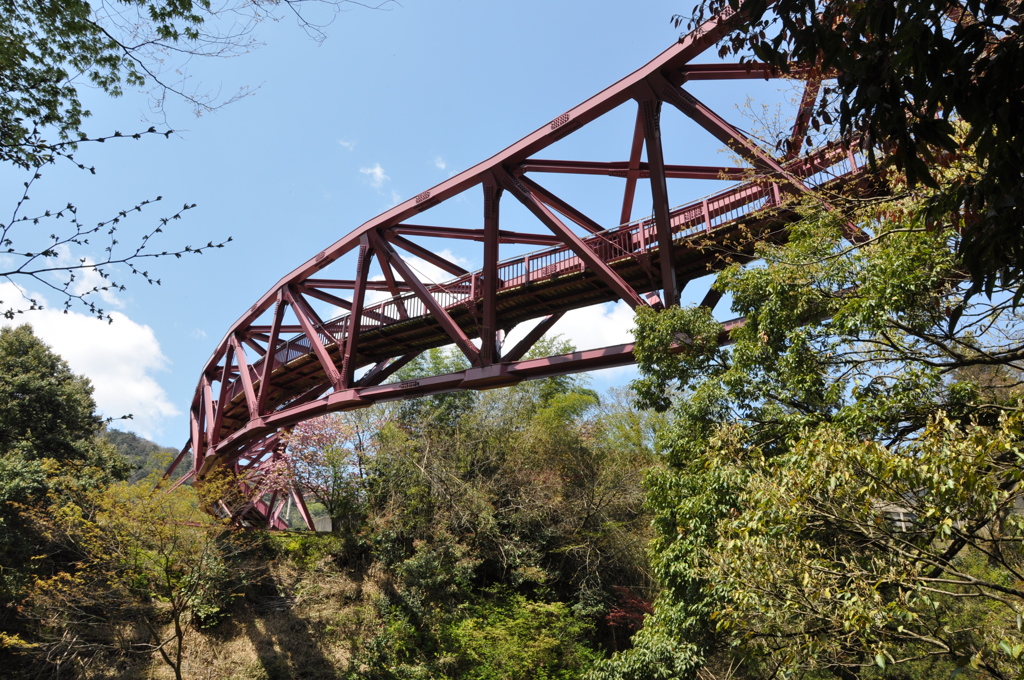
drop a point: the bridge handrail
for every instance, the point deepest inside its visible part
(705, 214)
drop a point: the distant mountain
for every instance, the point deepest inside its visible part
(145, 456)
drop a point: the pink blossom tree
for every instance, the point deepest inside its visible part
(325, 459)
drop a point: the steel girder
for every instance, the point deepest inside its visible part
(268, 375)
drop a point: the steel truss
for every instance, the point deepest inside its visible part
(268, 375)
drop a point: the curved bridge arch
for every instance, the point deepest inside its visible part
(282, 363)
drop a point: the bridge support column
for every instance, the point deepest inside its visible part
(355, 319)
(650, 112)
(489, 326)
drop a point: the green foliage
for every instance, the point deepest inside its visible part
(504, 520)
(46, 411)
(540, 481)
(696, 333)
(516, 638)
(309, 550)
(50, 452)
(842, 490)
(493, 637)
(491, 535)
(878, 553)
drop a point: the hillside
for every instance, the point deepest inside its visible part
(144, 456)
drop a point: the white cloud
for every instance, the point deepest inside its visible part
(347, 145)
(119, 358)
(396, 198)
(602, 325)
(439, 163)
(376, 174)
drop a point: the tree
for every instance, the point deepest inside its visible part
(50, 457)
(146, 567)
(89, 566)
(517, 639)
(48, 51)
(49, 446)
(515, 505)
(46, 410)
(905, 559)
(842, 488)
(903, 77)
(326, 459)
(581, 462)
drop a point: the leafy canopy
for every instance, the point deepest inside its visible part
(842, 488)
(50, 451)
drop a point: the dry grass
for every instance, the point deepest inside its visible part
(295, 624)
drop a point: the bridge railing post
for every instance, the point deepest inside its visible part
(644, 241)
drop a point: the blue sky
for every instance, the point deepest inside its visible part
(392, 103)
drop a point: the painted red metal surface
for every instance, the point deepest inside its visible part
(282, 363)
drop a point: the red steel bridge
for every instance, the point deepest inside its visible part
(282, 363)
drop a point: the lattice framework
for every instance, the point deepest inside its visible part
(264, 377)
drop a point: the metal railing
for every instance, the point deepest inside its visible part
(700, 217)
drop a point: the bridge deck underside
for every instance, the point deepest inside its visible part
(572, 287)
(697, 250)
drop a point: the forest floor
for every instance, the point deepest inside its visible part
(295, 621)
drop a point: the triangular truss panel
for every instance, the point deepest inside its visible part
(330, 335)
